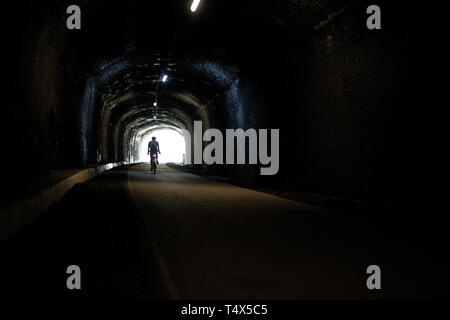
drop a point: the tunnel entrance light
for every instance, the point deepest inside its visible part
(172, 144)
(195, 4)
(164, 79)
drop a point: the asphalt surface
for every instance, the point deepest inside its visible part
(219, 241)
(176, 235)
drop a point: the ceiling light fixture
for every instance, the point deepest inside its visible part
(195, 4)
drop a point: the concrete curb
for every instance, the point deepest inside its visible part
(20, 214)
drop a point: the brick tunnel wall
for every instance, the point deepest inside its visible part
(363, 101)
(352, 106)
(243, 107)
(38, 128)
(348, 102)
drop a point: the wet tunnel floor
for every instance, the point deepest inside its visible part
(178, 235)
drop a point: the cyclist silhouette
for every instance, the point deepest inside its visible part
(153, 149)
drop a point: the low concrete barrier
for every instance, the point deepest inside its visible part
(20, 214)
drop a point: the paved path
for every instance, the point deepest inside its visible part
(179, 235)
(216, 240)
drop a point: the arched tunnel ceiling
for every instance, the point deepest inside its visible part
(198, 53)
(128, 97)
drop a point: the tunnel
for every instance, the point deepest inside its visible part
(360, 150)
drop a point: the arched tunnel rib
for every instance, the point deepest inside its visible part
(359, 151)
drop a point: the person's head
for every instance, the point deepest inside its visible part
(154, 138)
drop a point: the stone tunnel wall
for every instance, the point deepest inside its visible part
(365, 92)
(348, 102)
(38, 128)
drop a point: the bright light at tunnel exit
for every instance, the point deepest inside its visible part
(171, 143)
(195, 4)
